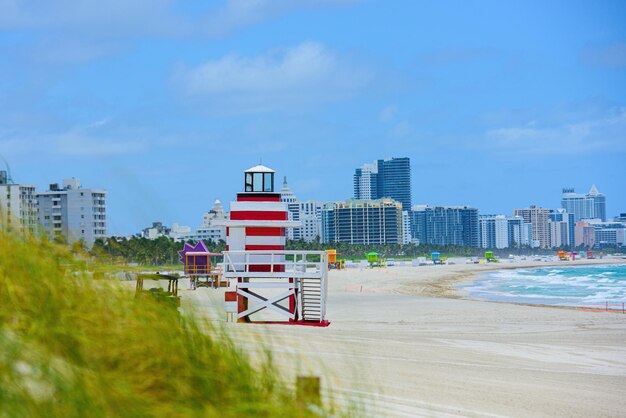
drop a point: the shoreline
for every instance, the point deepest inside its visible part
(444, 284)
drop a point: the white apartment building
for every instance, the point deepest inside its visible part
(538, 218)
(73, 212)
(213, 227)
(177, 232)
(18, 205)
(527, 235)
(308, 213)
(365, 182)
(494, 231)
(407, 234)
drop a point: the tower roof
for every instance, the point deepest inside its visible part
(259, 169)
(593, 191)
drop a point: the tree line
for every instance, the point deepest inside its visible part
(164, 250)
(143, 251)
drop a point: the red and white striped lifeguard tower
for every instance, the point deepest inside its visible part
(291, 284)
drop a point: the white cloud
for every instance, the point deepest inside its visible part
(401, 129)
(306, 73)
(90, 17)
(115, 18)
(603, 134)
(77, 31)
(611, 56)
(387, 114)
(76, 143)
(87, 141)
(235, 14)
(398, 128)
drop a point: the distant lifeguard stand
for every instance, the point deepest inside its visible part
(334, 262)
(201, 266)
(375, 260)
(291, 284)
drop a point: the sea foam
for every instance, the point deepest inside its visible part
(563, 286)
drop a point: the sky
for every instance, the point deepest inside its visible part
(165, 103)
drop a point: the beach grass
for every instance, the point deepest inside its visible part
(75, 345)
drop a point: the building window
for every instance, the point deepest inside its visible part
(248, 182)
(257, 182)
(268, 182)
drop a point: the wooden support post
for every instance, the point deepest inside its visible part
(242, 304)
(292, 302)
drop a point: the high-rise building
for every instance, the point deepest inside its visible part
(599, 203)
(311, 220)
(366, 182)
(308, 213)
(386, 178)
(584, 234)
(562, 228)
(363, 222)
(213, 224)
(609, 234)
(558, 234)
(538, 218)
(407, 236)
(584, 206)
(527, 235)
(494, 231)
(514, 229)
(288, 197)
(18, 205)
(394, 180)
(73, 212)
(445, 225)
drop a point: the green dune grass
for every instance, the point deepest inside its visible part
(74, 345)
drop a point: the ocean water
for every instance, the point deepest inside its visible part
(560, 286)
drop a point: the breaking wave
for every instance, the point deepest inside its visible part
(563, 286)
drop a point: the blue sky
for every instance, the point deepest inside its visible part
(163, 103)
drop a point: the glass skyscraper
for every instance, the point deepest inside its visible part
(589, 206)
(363, 222)
(445, 225)
(385, 178)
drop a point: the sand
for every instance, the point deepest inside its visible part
(404, 342)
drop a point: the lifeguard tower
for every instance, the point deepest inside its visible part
(374, 260)
(490, 257)
(291, 284)
(334, 262)
(201, 266)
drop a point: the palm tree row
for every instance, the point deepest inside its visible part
(164, 250)
(143, 251)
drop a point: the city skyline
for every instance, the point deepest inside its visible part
(498, 106)
(78, 213)
(200, 223)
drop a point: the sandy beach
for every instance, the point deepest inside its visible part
(404, 342)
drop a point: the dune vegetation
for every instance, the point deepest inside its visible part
(74, 343)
